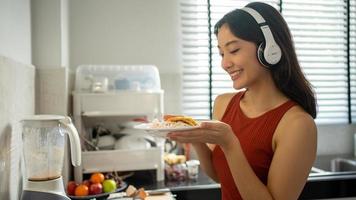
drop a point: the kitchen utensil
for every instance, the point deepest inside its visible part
(132, 142)
(43, 148)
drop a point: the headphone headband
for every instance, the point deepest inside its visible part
(259, 19)
(271, 51)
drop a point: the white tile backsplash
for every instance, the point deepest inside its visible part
(16, 101)
(171, 84)
(52, 90)
(336, 139)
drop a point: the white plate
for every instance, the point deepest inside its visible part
(162, 132)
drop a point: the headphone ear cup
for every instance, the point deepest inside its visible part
(261, 56)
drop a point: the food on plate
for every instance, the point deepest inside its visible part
(86, 182)
(173, 159)
(131, 191)
(175, 168)
(174, 121)
(95, 188)
(185, 119)
(71, 187)
(97, 177)
(81, 190)
(109, 185)
(98, 183)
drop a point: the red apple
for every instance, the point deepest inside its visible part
(71, 187)
(87, 183)
(95, 188)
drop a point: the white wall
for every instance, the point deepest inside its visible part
(129, 32)
(15, 32)
(50, 33)
(16, 90)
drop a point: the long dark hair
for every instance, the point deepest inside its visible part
(287, 74)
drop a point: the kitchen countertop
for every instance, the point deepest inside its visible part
(145, 180)
(204, 182)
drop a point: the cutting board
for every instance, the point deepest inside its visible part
(165, 196)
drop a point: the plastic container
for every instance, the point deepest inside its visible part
(193, 168)
(112, 78)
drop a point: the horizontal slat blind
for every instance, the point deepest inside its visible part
(353, 57)
(195, 50)
(319, 30)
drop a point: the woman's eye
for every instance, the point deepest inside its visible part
(234, 51)
(221, 54)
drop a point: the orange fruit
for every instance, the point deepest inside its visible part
(81, 190)
(97, 178)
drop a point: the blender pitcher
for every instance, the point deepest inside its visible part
(43, 148)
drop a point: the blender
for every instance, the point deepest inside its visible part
(43, 149)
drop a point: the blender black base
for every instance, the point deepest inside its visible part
(34, 195)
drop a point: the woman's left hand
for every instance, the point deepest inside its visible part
(213, 132)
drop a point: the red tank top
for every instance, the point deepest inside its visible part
(255, 136)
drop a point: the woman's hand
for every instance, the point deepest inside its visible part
(213, 132)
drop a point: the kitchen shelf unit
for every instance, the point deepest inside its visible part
(110, 109)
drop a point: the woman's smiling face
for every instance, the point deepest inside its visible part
(239, 60)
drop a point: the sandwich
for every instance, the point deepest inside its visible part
(174, 121)
(184, 119)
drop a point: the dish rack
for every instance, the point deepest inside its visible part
(114, 94)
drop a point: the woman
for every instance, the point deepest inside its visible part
(263, 142)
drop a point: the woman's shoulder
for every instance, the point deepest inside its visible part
(221, 102)
(296, 122)
(297, 115)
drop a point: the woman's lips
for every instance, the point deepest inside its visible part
(235, 74)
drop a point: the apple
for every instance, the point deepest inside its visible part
(95, 188)
(109, 185)
(87, 183)
(71, 187)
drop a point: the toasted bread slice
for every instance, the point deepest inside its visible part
(187, 120)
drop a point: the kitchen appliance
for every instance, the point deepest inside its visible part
(133, 94)
(43, 150)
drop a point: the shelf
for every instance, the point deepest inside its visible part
(122, 160)
(111, 114)
(117, 104)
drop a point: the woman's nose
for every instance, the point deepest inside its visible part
(225, 63)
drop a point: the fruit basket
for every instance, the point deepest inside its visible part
(100, 196)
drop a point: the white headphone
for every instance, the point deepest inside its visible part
(268, 52)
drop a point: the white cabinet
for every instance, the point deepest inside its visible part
(111, 108)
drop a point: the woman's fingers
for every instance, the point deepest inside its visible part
(197, 135)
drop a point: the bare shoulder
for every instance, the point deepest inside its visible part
(296, 122)
(220, 104)
(296, 116)
(295, 139)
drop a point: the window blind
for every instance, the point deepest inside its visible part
(195, 58)
(352, 43)
(319, 30)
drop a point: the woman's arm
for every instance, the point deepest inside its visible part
(204, 150)
(295, 150)
(204, 156)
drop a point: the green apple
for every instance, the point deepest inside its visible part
(109, 185)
